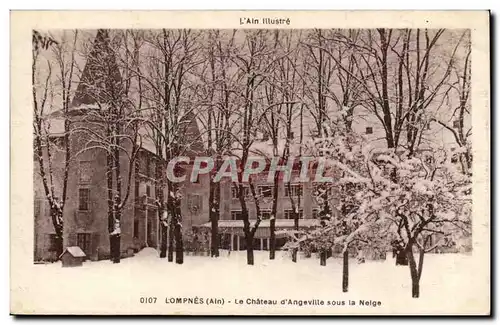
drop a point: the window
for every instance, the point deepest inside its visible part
(148, 190)
(456, 124)
(83, 241)
(315, 213)
(265, 191)
(266, 214)
(83, 199)
(294, 190)
(136, 228)
(85, 171)
(289, 214)
(236, 215)
(369, 130)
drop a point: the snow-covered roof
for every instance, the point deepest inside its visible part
(56, 126)
(280, 223)
(147, 144)
(75, 251)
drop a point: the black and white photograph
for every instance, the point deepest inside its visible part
(255, 168)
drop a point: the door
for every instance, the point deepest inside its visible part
(83, 241)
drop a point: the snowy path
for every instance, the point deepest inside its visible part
(104, 287)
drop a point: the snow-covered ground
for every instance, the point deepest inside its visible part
(447, 284)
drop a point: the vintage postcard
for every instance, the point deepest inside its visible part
(250, 162)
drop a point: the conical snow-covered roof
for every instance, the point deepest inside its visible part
(101, 80)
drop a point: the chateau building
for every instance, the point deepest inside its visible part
(86, 206)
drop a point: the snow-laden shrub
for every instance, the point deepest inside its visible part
(195, 242)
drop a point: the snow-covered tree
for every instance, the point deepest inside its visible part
(108, 121)
(55, 81)
(341, 150)
(251, 60)
(167, 81)
(331, 73)
(254, 59)
(455, 117)
(400, 77)
(428, 200)
(283, 110)
(216, 107)
(382, 193)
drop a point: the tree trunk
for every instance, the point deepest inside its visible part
(215, 238)
(162, 209)
(272, 223)
(345, 271)
(179, 249)
(114, 236)
(164, 238)
(414, 273)
(111, 248)
(111, 216)
(322, 257)
(296, 227)
(114, 241)
(246, 223)
(56, 215)
(415, 288)
(214, 218)
(59, 245)
(272, 239)
(249, 241)
(118, 249)
(385, 90)
(171, 242)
